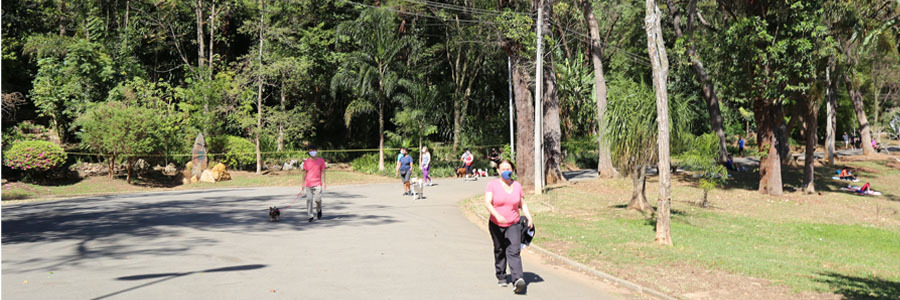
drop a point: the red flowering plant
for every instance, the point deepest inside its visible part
(34, 157)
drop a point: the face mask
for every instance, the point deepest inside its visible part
(312, 153)
(506, 175)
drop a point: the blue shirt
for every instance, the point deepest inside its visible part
(405, 163)
(741, 143)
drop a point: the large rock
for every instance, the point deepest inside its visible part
(290, 165)
(219, 173)
(207, 176)
(170, 169)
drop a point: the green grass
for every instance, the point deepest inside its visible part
(804, 256)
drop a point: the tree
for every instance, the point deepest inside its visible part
(372, 73)
(767, 57)
(631, 135)
(604, 161)
(709, 89)
(659, 60)
(117, 129)
(518, 43)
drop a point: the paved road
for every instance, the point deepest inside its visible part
(218, 244)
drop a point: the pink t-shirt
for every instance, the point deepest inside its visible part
(506, 204)
(314, 166)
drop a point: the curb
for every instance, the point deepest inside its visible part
(584, 268)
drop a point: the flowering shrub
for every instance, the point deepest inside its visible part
(34, 156)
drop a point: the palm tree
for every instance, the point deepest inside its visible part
(372, 72)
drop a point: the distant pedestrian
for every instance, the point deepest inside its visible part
(846, 141)
(495, 160)
(313, 183)
(741, 143)
(425, 165)
(857, 141)
(468, 160)
(404, 170)
(503, 199)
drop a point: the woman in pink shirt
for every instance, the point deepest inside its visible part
(503, 198)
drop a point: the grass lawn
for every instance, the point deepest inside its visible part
(102, 185)
(747, 246)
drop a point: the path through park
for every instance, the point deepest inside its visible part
(372, 243)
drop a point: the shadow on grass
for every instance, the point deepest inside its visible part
(852, 287)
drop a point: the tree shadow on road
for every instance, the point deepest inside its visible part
(169, 276)
(106, 227)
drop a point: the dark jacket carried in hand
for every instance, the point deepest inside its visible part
(527, 233)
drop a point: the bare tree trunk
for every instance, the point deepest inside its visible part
(831, 109)
(782, 131)
(604, 161)
(639, 185)
(858, 106)
(281, 122)
(61, 10)
(524, 123)
(552, 134)
(258, 91)
(659, 60)
(201, 50)
(380, 137)
(212, 38)
(709, 90)
(812, 123)
(770, 165)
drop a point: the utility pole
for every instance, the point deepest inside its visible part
(539, 107)
(512, 139)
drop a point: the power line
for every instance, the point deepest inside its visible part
(465, 9)
(416, 14)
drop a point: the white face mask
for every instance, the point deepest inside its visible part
(312, 153)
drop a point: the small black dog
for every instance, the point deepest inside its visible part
(274, 214)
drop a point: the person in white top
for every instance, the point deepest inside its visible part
(425, 164)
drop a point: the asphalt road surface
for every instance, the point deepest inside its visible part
(372, 243)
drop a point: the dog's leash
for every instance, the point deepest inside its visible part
(299, 196)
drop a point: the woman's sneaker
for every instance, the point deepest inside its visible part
(520, 285)
(503, 283)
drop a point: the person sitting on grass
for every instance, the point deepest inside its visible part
(846, 174)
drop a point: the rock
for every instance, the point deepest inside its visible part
(218, 172)
(207, 176)
(290, 165)
(141, 165)
(275, 168)
(170, 169)
(194, 179)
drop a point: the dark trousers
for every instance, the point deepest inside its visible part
(507, 249)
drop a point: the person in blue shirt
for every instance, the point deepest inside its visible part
(741, 145)
(404, 170)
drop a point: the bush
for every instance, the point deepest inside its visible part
(233, 151)
(34, 156)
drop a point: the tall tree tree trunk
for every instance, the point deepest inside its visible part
(281, 122)
(552, 133)
(709, 90)
(831, 109)
(604, 160)
(770, 165)
(639, 185)
(859, 107)
(380, 137)
(61, 10)
(783, 144)
(524, 122)
(259, 88)
(660, 62)
(212, 38)
(201, 52)
(812, 123)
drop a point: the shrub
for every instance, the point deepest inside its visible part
(34, 156)
(235, 152)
